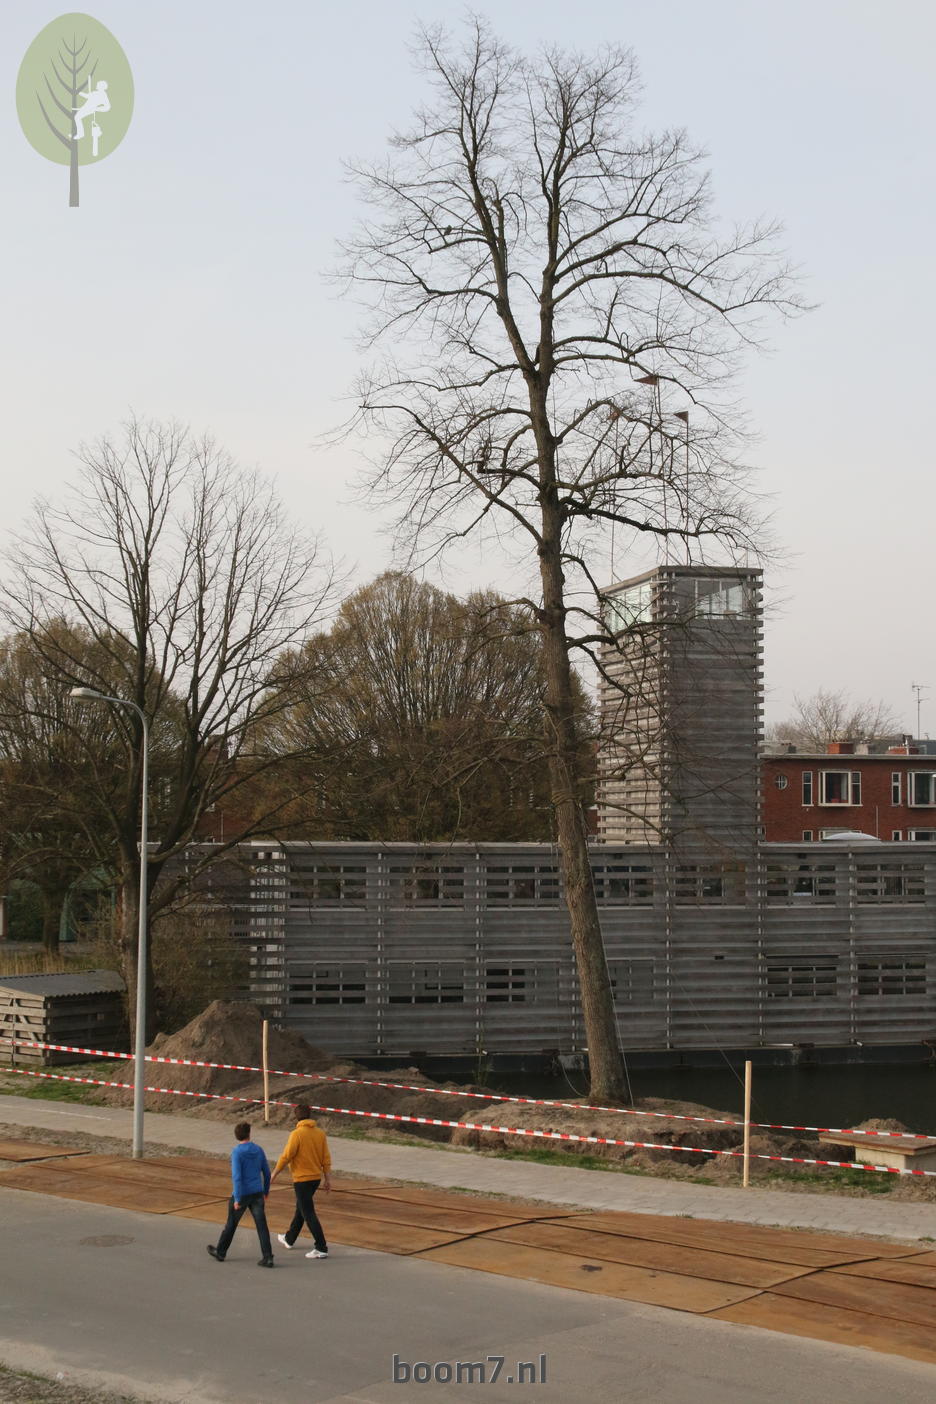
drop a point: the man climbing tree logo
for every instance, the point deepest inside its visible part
(74, 94)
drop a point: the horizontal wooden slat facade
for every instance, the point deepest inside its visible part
(395, 949)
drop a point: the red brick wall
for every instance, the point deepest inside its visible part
(786, 817)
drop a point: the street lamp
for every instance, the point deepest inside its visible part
(88, 694)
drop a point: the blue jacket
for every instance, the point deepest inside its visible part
(250, 1170)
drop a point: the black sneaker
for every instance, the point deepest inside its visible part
(218, 1257)
(266, 1262)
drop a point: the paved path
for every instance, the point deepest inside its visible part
(592, 1189)
(132, 1302)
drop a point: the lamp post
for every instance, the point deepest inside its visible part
(88, 694)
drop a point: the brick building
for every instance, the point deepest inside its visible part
(888, 795)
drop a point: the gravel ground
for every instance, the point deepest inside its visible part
(17, 1387)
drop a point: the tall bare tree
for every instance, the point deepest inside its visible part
(181, 585)
(532, 257)
(833, 716)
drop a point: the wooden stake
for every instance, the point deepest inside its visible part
(266, 1071)
(746, 1178)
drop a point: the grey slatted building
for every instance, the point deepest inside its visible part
(399, 950)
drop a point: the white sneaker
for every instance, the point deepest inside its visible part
(316, 1254)
(281, 1238)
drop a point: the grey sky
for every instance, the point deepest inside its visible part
(189, 284)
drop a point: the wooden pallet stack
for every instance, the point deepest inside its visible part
(85, 1009)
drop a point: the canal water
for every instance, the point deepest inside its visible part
(802, 1096)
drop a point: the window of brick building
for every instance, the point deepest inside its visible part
(921, 787)
(840, 787)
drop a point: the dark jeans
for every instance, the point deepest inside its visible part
(305, 1213)
(255, 1203)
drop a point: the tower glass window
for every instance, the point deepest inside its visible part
(631, 606)
(721, 598)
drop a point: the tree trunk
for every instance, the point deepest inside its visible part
(607, 1076)
(51, 919)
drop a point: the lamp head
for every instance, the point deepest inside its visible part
(86, 694)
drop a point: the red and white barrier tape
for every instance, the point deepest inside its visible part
(479, 1096)
(477, 1126)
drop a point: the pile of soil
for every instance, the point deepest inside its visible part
(232, 1033)
(611, 1126)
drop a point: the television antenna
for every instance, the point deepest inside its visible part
(919, 689)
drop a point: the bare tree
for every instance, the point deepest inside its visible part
(182, 585)
(532, 259)
(833, 716)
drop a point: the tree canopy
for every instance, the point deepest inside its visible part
(421, 714)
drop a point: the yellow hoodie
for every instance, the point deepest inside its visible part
(306, 1152)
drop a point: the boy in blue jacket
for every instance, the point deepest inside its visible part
(250, 1173)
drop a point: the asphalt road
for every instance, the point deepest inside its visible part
(152, 1315)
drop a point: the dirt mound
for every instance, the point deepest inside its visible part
(606, 1126)
(226, 1033)
(232, 1033)
(381, 1105)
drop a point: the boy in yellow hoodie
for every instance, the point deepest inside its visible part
(307, 1155)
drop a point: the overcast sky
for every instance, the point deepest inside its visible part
(189, 283)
